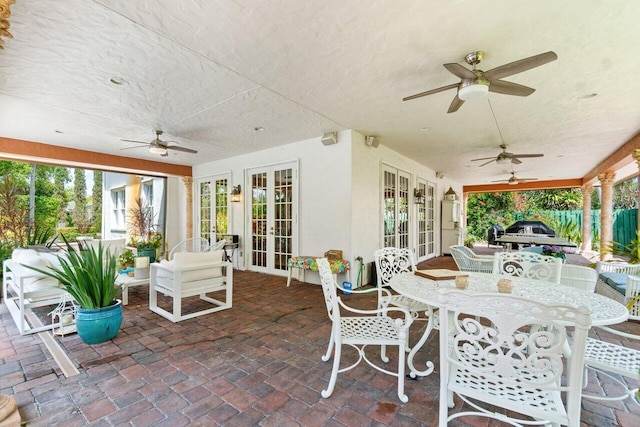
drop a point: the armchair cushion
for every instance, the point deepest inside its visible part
(618, 281)
(189, 260)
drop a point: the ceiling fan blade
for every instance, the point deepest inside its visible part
(520, 66)
(455, 104)
(509, 88)
(430, 92)
(486, 163)
(178, 148)
(527, 155)
(527, 179)
(460, 71)
(129, 148)
(515, 161)
(483, 158)
(131, 140)
(501, 180)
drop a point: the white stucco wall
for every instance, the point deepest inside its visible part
(324, 192)
(339, 193)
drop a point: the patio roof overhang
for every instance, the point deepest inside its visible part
(620, 162)
(20, 150)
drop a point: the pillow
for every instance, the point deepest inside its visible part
(31, 258)
(192, 259)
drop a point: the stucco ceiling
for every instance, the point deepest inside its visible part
(209, 72)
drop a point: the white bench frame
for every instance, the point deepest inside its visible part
(178, 290)
(19, 300)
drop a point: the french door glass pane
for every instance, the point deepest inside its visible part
(389, 209)
(259, 219)
(222, 218)
(205, 210)
(283, 191)
(403, 212)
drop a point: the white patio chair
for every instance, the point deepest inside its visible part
(579, 277)
(195, 244)
(191, 274)
(497, 350)
(467, 260)
(389, 262)
(528, 264)
(366, 328)
(614, 361)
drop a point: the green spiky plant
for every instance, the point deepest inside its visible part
(89, 275)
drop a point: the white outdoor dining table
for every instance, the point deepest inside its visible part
(604, 311)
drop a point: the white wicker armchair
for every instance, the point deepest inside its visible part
(620, 282)
(467, 260)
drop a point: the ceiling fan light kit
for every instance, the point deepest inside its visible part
(473, 91)
(156, 149)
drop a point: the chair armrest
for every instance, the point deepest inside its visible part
(385, 310)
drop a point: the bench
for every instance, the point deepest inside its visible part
(24, 288)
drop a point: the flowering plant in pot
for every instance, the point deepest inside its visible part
(89, 276)
(554, 251)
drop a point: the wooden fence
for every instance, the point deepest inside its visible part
(625, 221)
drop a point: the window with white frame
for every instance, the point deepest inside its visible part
(118, 209)
(147, 194)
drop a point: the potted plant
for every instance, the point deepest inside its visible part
(89, 275)
(126, 259)
(142, 227)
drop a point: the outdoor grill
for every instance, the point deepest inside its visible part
(537, 227)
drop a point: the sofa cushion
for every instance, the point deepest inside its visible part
(191, 259)
(617, 281)
(31, 258)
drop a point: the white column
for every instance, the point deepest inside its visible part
(586, 217)
(606, 213)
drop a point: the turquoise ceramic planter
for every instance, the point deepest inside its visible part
(100, 324)
(151, 253)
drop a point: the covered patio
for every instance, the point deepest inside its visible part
(243, 90)
(257, 364)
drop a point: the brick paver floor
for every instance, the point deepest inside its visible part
(255, 364)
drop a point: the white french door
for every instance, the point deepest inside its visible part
(272, 216)
(212, 207)
(425, 222)
(395, 208)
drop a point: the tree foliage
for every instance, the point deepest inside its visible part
(625, 194)
(96, 198)
(80, 214)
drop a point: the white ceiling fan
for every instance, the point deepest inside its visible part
(157, 146)
(476, 83)
(506, 157)
(513, 180)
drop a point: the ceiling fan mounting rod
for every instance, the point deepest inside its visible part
(474, 58)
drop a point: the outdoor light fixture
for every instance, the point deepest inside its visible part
(235, 194)
(418, 196)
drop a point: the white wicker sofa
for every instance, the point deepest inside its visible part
(621, 282)
(24, 288)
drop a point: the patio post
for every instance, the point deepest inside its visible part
(188, 183)
(636, 157)
(606, 213)
(586, 217)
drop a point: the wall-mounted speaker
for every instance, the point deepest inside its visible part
(371, 141)
(329, 138)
